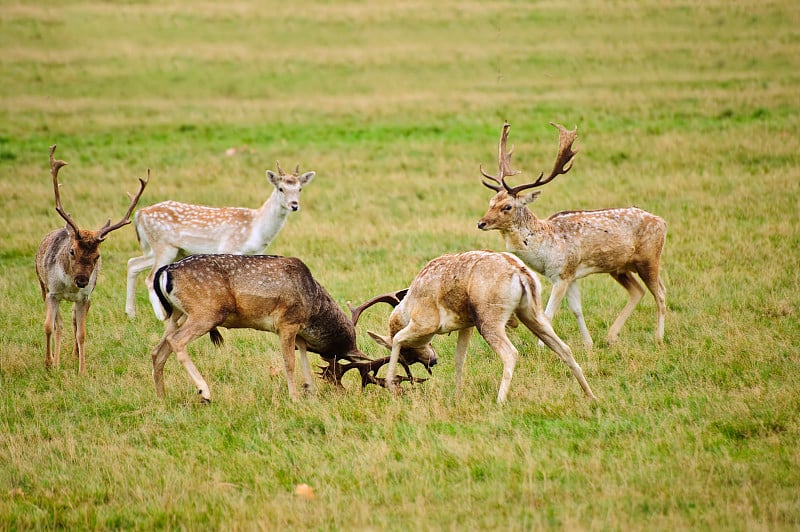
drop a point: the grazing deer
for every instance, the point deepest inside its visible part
(67, 263)
(570, 245)
(462, 292)
(169, 230)
(262, 292)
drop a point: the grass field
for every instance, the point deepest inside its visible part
(690, 110)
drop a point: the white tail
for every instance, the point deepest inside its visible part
(573, 244)
(476, 289)
(263, 292)
(170, 230)
(67, 263)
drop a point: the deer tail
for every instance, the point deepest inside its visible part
(216, 337)
(162, 298)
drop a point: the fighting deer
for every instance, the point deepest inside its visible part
(465, 291)
(264, 292)
(570, 245)
(67, 263)
(169, 230)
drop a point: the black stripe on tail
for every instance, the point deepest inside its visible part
(157, 287)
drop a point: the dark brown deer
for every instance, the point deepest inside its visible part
(67, 263)
(473, 290)
(262, 292)
(570, 245)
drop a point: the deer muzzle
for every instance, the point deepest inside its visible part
(81, 281)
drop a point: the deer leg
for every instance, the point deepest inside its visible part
(287, 335)
(500, 344)
(464, 336)
(79, 312)
(652, 280)
(178, 341)
(635, 293)
(136, 265)
(541, 327)
(574, 301)
(52, 323)
(160, 354)
(409, 335)
(557, 293)
(307, 376)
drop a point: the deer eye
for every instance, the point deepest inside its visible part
(280, 189)
(72, 252)
(506, 208)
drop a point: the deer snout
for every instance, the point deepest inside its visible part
(81, 281)
(482, 225)
(295, 206)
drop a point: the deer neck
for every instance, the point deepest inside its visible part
(329, 333)
(269, 220)
(532, 239)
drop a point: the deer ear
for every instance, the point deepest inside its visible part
(273, 178)
(385, 341)
(306, 178)
(528, 198)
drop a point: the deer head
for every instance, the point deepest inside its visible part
(84, 245)
(504, 206)
(288, 186)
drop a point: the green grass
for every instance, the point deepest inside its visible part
(689, 111)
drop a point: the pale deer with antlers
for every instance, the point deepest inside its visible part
(570, 245)
(67, 263)
(267, 293)
(473, 290)
(170, 230)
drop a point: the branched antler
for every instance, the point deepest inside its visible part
(55, 166)
(563, 163)
(392, 298)
(503, 162)
(107, 227)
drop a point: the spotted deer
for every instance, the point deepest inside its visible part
(570, 245)
(467, 291)
(67, 263)
(170, 230)
(264, 292)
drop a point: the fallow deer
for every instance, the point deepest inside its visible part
(262, 292)
(67, 263)
(465, 291)
(170, 230)
(570, 245)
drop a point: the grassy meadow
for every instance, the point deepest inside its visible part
(690, 110)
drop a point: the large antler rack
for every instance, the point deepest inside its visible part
(107, 227)
(562, 165)
(55, 166)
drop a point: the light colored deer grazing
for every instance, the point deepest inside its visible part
(169, 230)
(573, 244)
(67, 263)
(263, 292)
(476, 289)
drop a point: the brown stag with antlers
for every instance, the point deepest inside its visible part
(266, 293)
(570, 245)
(67, 263)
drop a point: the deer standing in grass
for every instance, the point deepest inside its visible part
(262, 292)
(169, 230)
(467, 291)
(67, 263)
(570, 245)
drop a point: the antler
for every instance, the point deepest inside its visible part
(55, 166)
(280, 170)
(563, 162)
(392, 298)
(107, 227)
(368, 369)
(503, 160)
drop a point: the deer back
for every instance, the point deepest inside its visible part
(264, 292)
(457, 291)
